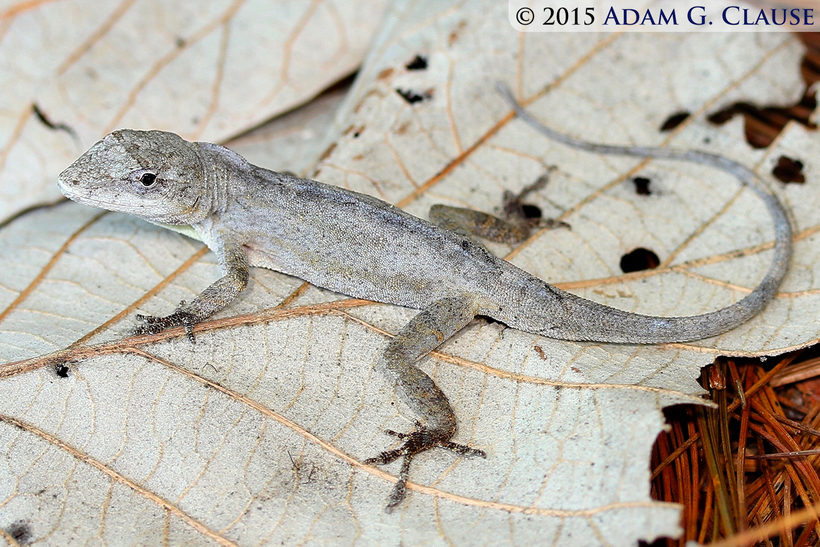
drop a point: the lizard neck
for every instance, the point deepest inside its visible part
(226, 175)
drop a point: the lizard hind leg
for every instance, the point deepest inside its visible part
(437, 421)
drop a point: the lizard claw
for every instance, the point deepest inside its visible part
(153, 325)
(415, 442)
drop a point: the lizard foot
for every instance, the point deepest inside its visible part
(515, 208)
(415, 442)
(551, 224)
(154, 325)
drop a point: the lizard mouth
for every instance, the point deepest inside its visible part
(74, 193)
(71, 192)
(64, 187)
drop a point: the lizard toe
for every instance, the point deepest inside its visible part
(153, 325)
(415, 442)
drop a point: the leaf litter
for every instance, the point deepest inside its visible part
(208, 434)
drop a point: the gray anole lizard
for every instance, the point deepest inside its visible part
(366, 248)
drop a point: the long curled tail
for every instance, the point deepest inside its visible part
(603, 323)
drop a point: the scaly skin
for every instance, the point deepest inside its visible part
(366, 248)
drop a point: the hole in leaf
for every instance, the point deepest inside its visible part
(412, 97)
(418, 63)
(789, 170)
(763, 125)
(642, 186)
(638, 260)
(674, 120)
(531, 211)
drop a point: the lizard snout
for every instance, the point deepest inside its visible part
(65, 180)
(69, 182)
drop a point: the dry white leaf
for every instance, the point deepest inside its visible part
(295, 141)
(256, 434)
(207, 71)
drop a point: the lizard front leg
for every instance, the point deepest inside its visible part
(437, 421)
(219, 294)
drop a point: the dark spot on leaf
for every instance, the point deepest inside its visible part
(413, 97)
(540, 351)
(674, 120)
(418, 63)
(180, 42)
(20, 532)
(531, 211)
(707, 140)
(789, 170)
(642, 186)
(465, 245)
(45, 120)
(61, 369)
(354, 130)
(638, 260)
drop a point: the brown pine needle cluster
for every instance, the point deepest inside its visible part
(747, 470)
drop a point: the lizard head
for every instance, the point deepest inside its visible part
(151, 174)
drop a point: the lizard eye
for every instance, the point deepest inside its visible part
(147, 179)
